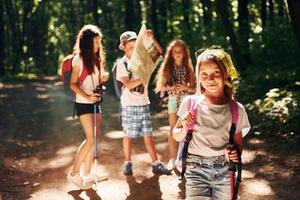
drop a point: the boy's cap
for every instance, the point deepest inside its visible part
(127, 36)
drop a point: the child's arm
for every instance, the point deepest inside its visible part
(185, 88)
(104, 75)
(130, 84)
(180, 128)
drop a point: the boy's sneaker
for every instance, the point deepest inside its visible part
(171, 165)
(128, 168)
(160, 169)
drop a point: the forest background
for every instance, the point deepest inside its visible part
(263, 36)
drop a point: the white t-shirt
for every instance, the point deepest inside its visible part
(212, 125)
(90, 82)
(129, 98)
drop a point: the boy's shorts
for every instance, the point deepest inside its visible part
(136, 121)
(174, 103)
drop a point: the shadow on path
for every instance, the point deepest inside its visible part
(137, 190)
(92, 194)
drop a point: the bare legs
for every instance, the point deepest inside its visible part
(85, 150)
(172, 143)
(149, 144)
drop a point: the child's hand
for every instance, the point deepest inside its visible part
(94, 97)
(142, 81)
(187, 119)
(232, 154)
(104, 77)
(181, 87)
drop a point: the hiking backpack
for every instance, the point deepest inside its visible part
(118, 85)
(66, 71)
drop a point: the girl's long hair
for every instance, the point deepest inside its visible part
(165, 71)
(85, 47)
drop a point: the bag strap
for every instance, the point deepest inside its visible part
(126, 66)
(234, 111)
(232, 166)
(193, 111)
(189, 135)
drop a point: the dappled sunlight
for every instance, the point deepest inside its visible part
(141, 158)
(163, 114)
(114, 134)
(110, 189)
(258, 187)
(53, 193)
(2, 96)
(43, 96)
(66, 150)
(64, 156)
(247, 174)
(70, 118)
(40, 89)
(162, 131)
(162, 146)
(249, 156)
(164, 128)
(13, 86)
(255, 141)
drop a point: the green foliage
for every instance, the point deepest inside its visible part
(37, 34)
(278, 105)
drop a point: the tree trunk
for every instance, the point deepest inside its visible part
(2, 39)
(244, 29)
(280, 8)
(129, 18)
(186, 5)
(13, 21)
(207, 14)
(222, 8)
(96, 15)
(263, 13)
(153, 16)
(138, 12)
(293, 9)
(271, 12)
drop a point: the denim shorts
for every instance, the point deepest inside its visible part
(136, 121)
(207, 178)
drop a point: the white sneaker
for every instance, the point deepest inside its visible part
(77, 180)
(171, 165)
(90, 178)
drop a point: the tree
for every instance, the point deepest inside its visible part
(293, 9)
(222, 9)
(244, 29)
(2, 39)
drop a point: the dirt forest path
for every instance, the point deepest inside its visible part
(39, 139)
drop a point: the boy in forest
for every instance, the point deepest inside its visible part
(136, 119)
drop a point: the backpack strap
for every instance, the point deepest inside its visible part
(234, 184)
(189, 136)
(126, 66)
(234, 111)
(83, 75)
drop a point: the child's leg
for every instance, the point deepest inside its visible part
(149, 143)
(87, 145)
(127, 143)
(172, 143)
(90, 157)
